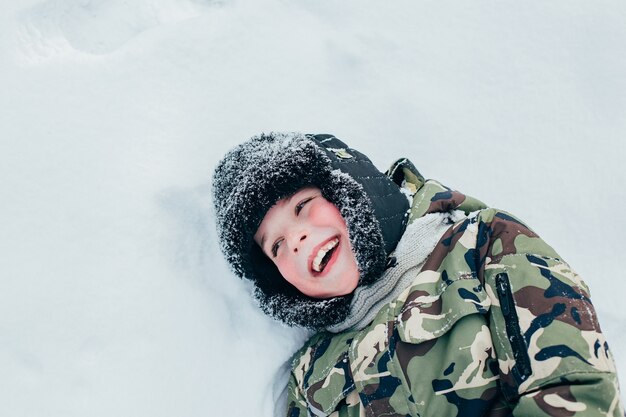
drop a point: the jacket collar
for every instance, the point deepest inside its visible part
(429, 196)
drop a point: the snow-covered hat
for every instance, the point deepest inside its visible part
(253, 176)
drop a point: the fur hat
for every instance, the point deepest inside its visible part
(253, 176)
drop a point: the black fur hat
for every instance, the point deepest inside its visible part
(266, 168)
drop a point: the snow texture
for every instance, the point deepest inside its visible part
(114, 297)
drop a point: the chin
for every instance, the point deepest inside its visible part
(343, 291)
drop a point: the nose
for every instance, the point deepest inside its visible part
(295, 239)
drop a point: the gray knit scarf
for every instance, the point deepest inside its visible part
(417, 242)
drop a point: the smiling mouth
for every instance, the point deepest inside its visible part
(324, 254)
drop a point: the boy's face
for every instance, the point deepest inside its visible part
(307, 239)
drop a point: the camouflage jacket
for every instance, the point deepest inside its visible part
(495, 324)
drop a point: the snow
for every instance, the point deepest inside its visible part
(114, 297)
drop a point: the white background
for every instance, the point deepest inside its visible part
(114, 298)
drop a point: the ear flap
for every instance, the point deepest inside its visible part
(268, 278)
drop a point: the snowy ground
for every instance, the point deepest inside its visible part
(114, 299)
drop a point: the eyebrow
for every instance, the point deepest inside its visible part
(288, 199)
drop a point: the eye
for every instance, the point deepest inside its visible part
(275, 247)
(301, 204)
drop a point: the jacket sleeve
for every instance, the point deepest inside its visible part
(296, 403)
(553, 358)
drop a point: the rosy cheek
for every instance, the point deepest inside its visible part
(287, 270)
(325, 211)
(315, 211)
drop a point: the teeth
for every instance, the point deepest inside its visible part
(322, 252)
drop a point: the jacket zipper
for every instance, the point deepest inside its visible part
(513, 331)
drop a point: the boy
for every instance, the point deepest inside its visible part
(427, 302)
